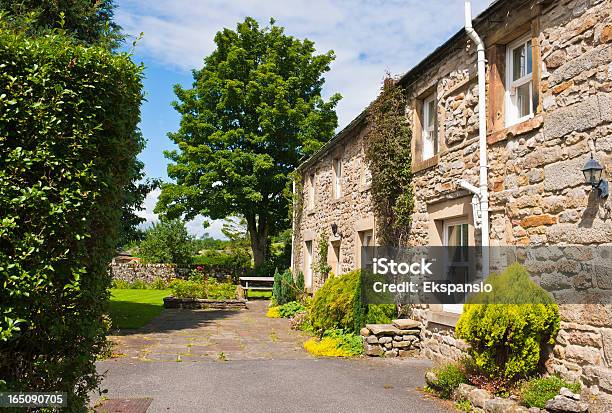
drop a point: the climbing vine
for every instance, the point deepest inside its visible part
(388, 155)
(322, 267)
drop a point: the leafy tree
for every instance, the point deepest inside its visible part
(255, 109)
(134, 193)
(167, 242)
(90, 22)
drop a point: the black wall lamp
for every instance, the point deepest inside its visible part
(334, 228)
(592, 171)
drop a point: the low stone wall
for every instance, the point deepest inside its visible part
(200, 303)
(147, 273)
(400, 339)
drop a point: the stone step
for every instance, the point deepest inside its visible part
(406, 323)
(386, 329)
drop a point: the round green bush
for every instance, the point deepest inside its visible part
(333, 304)
(508, 327)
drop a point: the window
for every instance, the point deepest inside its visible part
(519, 81)
(366, 239)
(337, 178)
(455, 237)
(311, 191)
(308, 265)
(430, 139)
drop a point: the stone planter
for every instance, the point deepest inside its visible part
(202, 303)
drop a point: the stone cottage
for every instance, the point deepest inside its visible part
(549, 109)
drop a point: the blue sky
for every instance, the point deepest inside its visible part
(370, 38)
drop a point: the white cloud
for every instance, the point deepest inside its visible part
(369, 37)
(195, 226)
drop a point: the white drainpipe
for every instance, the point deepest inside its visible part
(483, 193)
(292, 224)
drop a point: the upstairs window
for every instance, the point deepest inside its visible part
(311, 191)
(430, 139)
(337, 182)
(519, 81)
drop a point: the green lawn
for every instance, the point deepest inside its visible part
(130, 308)
(260, 294)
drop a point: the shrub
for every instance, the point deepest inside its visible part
(273, 312)
(299, 282)
(69, 138)
(333, 303)
(448, 378)
(159, 283)
(300, 321)
(506, 339)
(335, 343)
(284, 289)
(463, 406)
(121, 284)
(338, 304)
(203, 288)
(536, 392)
(290, 309)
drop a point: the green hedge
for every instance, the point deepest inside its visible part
(68, 140)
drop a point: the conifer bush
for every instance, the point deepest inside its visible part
(508, 327)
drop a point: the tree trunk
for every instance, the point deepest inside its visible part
(258, 233)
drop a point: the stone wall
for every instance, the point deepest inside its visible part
(352, 212)
(537, 191)
(147, 273)
(400, 339)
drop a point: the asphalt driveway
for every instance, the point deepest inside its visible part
(175, 365)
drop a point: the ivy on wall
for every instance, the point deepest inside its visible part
(389, 158)
(322, 267)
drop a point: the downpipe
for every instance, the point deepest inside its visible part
(483, 191)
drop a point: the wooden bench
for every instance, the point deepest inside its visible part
(256, 283)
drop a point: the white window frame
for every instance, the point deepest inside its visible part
(429, 132)
(453, 308)
(337, 169)
(512, 117)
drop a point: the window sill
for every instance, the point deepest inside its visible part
(444, 318)
(338, 200)
(515, 130)
(426, 164)
(310, 211)
(365, 188)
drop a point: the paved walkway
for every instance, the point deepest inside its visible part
(263, 369)
(204, 335)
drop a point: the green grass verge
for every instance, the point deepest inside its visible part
(260, 294)
(131, 308)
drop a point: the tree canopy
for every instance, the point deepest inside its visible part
(90, 22)
(254, 111)
(167, 242)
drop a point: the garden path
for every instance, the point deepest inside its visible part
(204, 335)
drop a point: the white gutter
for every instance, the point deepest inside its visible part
(483, 193)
